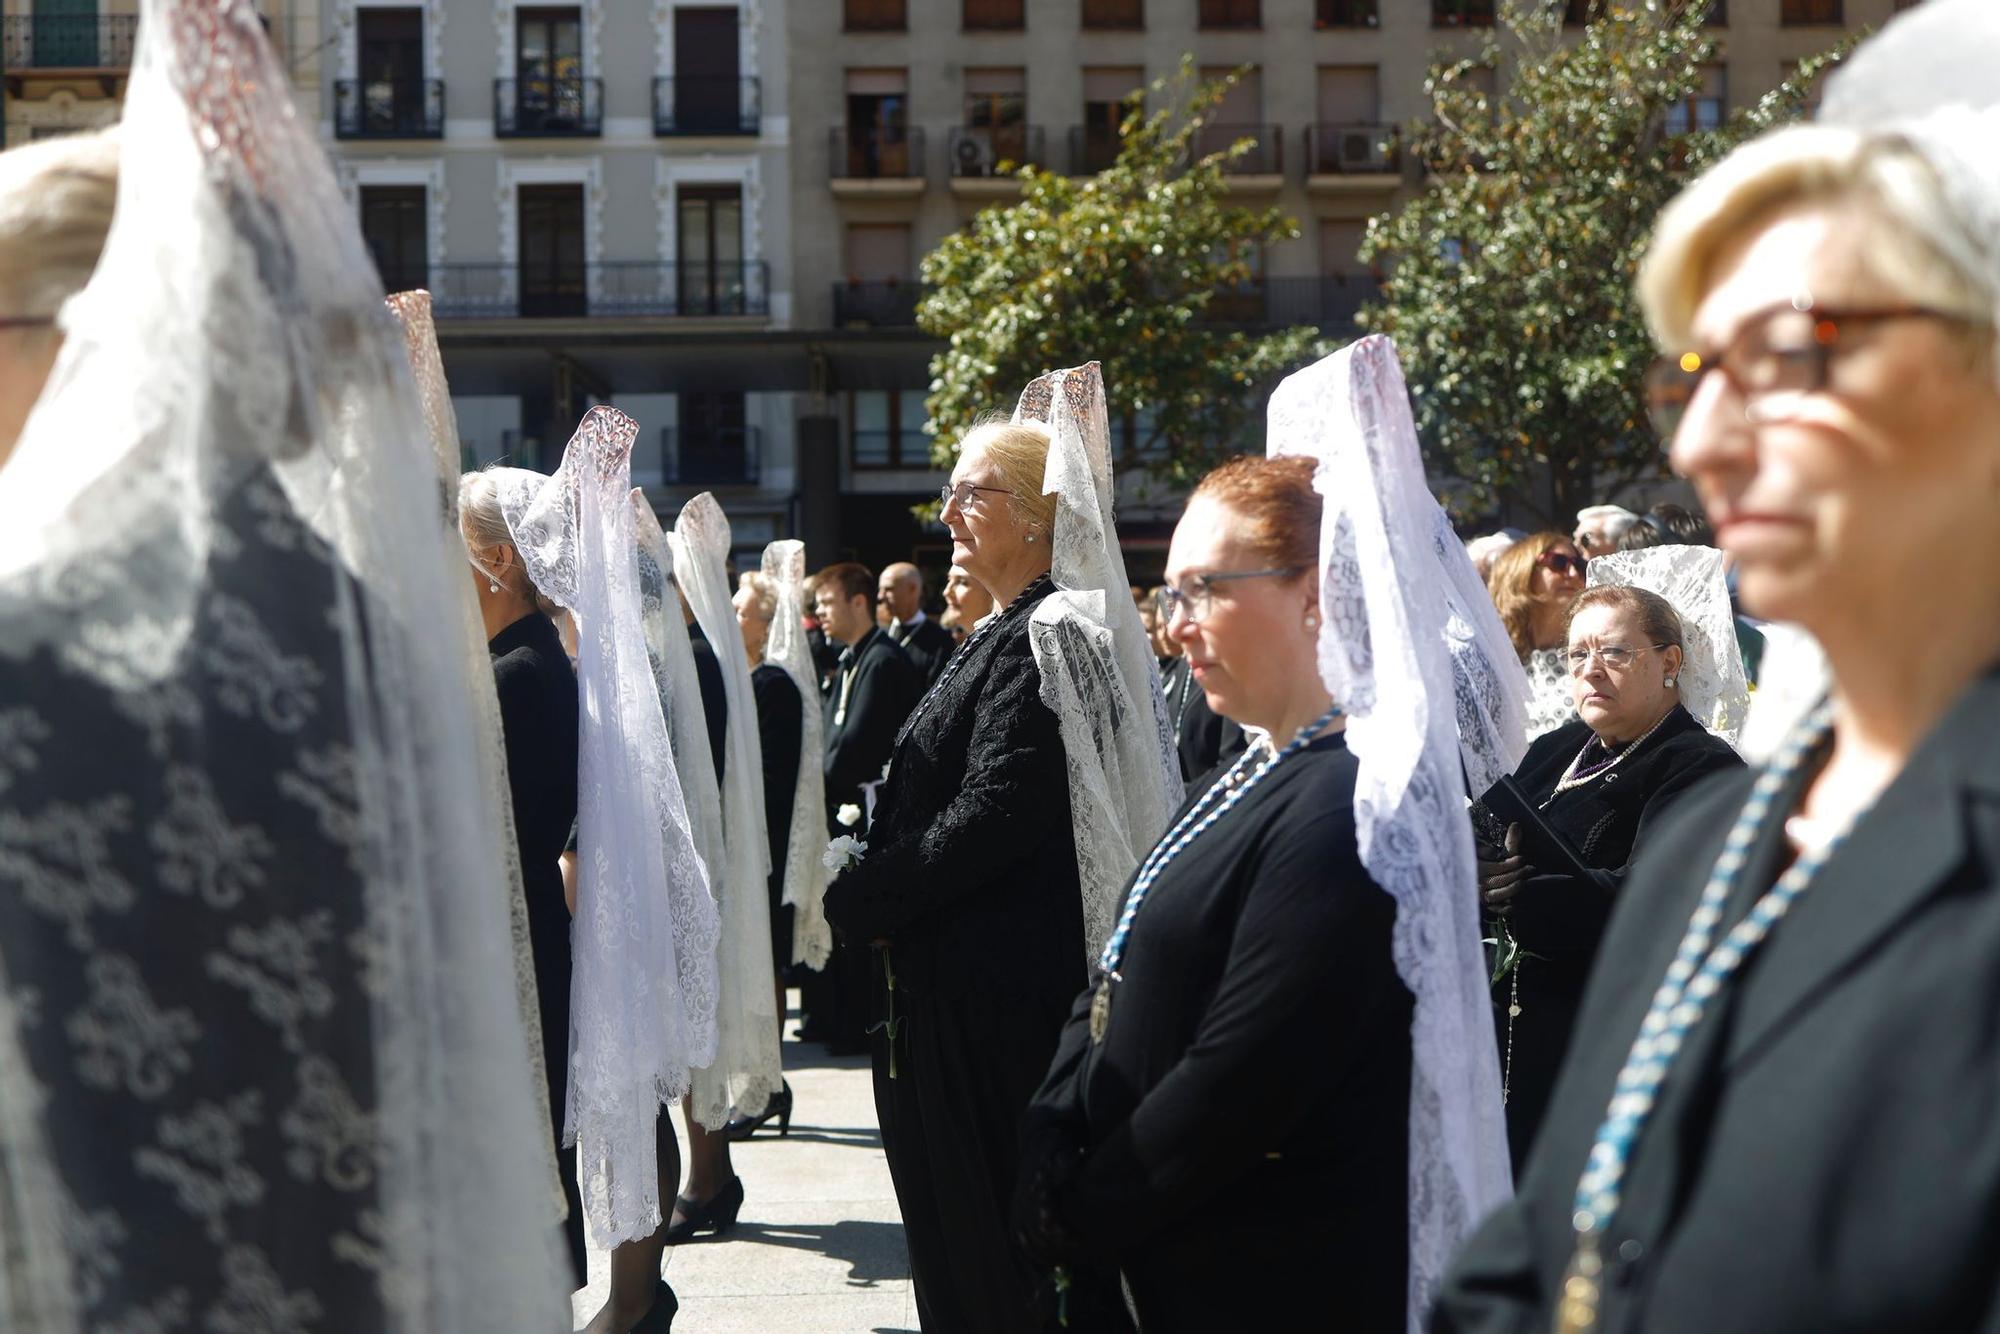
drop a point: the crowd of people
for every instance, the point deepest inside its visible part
(1362, 929)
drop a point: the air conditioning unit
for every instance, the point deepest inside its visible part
(972, 156)
(1361, 150)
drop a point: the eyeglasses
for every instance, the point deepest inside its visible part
(1197, 590)
(26, 321)
(964, 492)
(1615, 656)
(1561, 562)
(1777, 356)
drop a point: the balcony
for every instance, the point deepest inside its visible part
(378, 109)
(611, 289)
(68, 44)
(696, 104)
(718, 456)
(982, 157)
(1329, 302)
(1350, 159)
(875, 160)
(1265, 160)
(1092, 148)
(548, 108)
(1347, 14)
(883, 304)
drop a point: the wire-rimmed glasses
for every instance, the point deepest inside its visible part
(1197, 590)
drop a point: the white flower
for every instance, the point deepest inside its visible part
(842, 853)
(848, 815)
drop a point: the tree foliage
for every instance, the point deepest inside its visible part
(1120, 267)
(1509, 281)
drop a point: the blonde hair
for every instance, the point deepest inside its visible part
(763, 591)
(1909, 236)
(1020, 453)
(482, 523)
(56, 201)
(1511, 581)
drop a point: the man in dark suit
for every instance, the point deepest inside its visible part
(874, 687)
(901, 593)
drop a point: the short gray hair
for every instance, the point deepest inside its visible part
(56, 201)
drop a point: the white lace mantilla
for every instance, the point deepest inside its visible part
(1712, 685)
(805, 870)
(1099, 676)
(747, 1069)
(644, 991)
(1387, 657)
(1551, 693)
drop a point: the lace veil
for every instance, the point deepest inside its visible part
(1712, 685)
(643, 938)
(805, 870)
(747, 1066)
(1386, 658)
(413, 311)
(1490, 695)
(1099, 676)
(263, 1059)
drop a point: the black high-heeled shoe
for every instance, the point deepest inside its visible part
(659, 1317)
(718, 1215)
(779, 1105)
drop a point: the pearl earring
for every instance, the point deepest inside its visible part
(1031, 538)
(1312, 621)
(1671, 680)
(492, 584)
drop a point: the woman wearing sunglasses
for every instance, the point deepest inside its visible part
(1532, 583)
(1601, 783)
(1777, 1110)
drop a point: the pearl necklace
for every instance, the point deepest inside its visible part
(1571, 781)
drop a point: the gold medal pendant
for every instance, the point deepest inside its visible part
(1100, 1009)
(1576, 1310)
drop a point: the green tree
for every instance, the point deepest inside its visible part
(1120, 267)
(1509, 280)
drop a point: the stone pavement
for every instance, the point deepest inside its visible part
(819, 1245)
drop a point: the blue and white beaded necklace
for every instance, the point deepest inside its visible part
(1698, 972)
(1200, 818)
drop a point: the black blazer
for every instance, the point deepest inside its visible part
(1559, 920)
(884, 689)
(928, 644)
(1825, 1155)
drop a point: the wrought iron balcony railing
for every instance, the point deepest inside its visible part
(1266, 155)
(1092, 148)
(68, 41)
(875, 152)
(885, 304)
(1346, 150)
(609, 289)
(548, 108)
(717, 456)
(698, 104)
(1329, 301)
(980, 150)
(383, 109)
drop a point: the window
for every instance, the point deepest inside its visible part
(65, 35)
(548, 64)
(878, 129)
(395, 223)
(1105, 89)
(709, 236)
(992, 15)
(1349, 135)
(1800, 13)
(708, 95)
(1347, 14)
(1231, 14)
(875, 15)
(551, 261)
(714, 442)
(1705, 110)
(1114, 13)
(391, 66)
(1461, 13)
(995, 128)
(1340, 247)
(879, 291)
(888, 429)
(1239, 116)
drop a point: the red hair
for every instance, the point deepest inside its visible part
(1277, 510)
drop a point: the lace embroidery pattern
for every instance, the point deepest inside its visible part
(1712, 685)
(784, 564)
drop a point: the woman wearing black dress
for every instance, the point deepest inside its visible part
(969, 886)
(1602, 783)
(538, 718)
(1269, 1110)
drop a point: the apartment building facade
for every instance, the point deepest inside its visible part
(917, 103)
